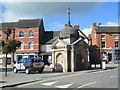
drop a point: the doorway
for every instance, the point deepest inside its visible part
(59, 62)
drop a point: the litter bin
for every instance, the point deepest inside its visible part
(103, 64)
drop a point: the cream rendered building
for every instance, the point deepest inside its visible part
(70, 51)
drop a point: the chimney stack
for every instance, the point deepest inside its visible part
(76, 26)
(66, 25)
(94, 24)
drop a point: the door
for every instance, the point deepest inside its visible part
(59, 62)
(110, 57)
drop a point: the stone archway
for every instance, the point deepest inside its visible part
(59, 62)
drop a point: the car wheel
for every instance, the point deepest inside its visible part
(15, 70)
(41, 70)
(27, 70)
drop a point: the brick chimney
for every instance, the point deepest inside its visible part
(76, 26)
(94, 24)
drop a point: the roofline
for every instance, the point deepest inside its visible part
(108, 32)
(27, 27)
(31, 19)
(7, 22)
(22, 19)
(52, 31)
(108, 26)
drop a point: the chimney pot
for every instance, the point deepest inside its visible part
(94, 24)
(76, 26)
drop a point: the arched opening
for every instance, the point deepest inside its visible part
(31, 45)
(21, 34)
(59, 62)
(31, 33)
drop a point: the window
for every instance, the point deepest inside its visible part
(103, 44)
(116, 36)
(116, 44)
(30, 45)
(0, 34)
(21, 34)
(102, 36)
(31, 33)
(22, 45)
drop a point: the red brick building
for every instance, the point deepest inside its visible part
(33, 39)
(29, 32)
(107, 40)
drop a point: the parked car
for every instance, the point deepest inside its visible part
(29, 64)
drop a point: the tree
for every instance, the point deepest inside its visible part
(9, 45)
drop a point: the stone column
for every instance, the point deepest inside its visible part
(72, 59)
(53, 61)
(66, 62)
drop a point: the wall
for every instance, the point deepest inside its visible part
(27, 39)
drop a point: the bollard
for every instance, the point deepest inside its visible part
(103, 65)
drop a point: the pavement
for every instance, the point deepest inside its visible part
(14, 79)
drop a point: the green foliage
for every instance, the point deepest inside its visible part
(11, 46)
(6, 49)
(7, 30)
(102, 50)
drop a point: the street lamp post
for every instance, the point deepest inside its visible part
(68, 11)
(6, 58)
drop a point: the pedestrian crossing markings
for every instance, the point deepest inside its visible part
(61, 86)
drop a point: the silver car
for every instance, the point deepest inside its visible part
(28, 65)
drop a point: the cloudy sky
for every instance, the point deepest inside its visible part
(54, 14)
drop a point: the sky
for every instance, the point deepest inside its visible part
(55, 15)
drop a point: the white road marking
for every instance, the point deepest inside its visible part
(49, 83)
(112, 76)
(86, 84)
(64, 86)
